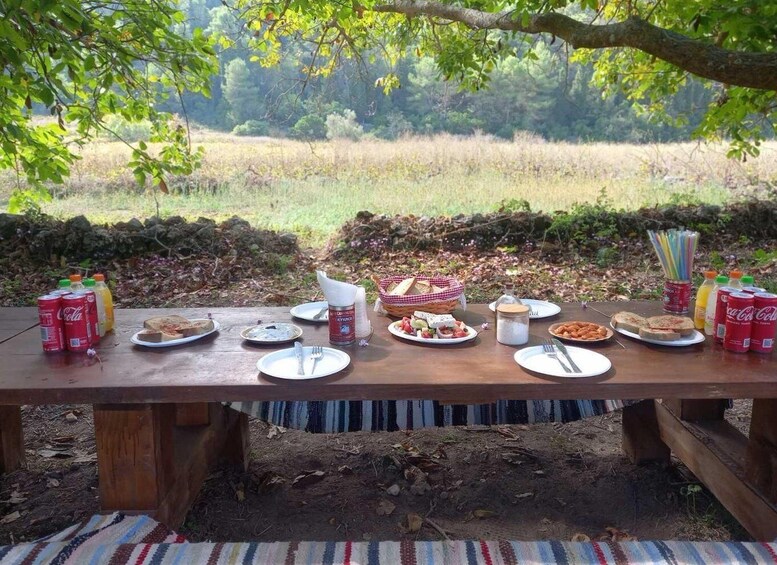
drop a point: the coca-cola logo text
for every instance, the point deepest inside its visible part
(73, 313)
(740, 314)
(766, 314)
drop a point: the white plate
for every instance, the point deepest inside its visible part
(309, 309)
(283, 364)
(543, 308)
(134, 339)
(278, 332)
(693, 339)
(590, 362)
(397, 331)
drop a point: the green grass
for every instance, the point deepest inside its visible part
(312, 190)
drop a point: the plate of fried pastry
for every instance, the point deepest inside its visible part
(669, 330)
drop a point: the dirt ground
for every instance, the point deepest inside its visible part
(545, 481)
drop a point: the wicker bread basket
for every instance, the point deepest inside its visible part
(444, 301)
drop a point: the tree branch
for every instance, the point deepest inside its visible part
(739, 68)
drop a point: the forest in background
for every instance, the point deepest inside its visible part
(546, 94)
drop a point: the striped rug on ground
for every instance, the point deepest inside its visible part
(334, 416)
(134, 540)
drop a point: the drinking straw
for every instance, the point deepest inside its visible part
(675, 250)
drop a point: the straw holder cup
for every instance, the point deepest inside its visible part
(677, 296)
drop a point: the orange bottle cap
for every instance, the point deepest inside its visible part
(75, 278)
(99, 277)
(736, 274)
(707, 275)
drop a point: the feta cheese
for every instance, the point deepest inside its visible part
(441, 321)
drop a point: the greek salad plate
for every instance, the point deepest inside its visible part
(283, 364)
(693, 339)
(395, 328)
(540, 308)
(216, 326)
(590, 362)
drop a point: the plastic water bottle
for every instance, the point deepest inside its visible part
(712, 303)
(735, 279)
(102, 289)
(75, 283)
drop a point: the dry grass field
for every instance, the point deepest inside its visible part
(313, 188)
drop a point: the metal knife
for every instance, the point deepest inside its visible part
(298, 351)
(563, 349)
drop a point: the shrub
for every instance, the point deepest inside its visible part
(343, 126)
(310, 127)
(251, 127)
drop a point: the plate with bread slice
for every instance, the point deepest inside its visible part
(581, 332)
(669, 330)
(167, 331)
(277, 332)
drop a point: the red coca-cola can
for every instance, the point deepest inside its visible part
(78, 333)
(342, 325)
(753, 289)
(764, 322)
(52, 329)
(719, 325)
(739, 322)
(677, 296)
(91, 312)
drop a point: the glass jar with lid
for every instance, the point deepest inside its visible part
(512, 324)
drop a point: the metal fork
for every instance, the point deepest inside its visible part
(550, 351)
(316, 354)
(532, 311)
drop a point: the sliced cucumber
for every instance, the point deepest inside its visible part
(419, 324)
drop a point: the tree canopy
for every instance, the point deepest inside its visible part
(647, 49)
(83, 61)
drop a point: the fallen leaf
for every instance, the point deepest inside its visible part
(268, 481)
(71, 417)
(345, 470)
(15, 498)
(581, 538)
(12, 517)
(414, 522)
(483, 514)
(64, 439)
(385, 508)
(52, 483)
(393, 490)
(240, 492)
(85, 458)
(539, 473)
(275, 431)
(307, 478)
(524, 495)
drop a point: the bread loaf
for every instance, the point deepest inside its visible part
(403, 287)
(157, 336)
(195, 328)
(164, 323)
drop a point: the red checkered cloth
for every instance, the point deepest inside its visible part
(453, 289)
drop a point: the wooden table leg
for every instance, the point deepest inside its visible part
(761, 460)
(148, 465)
(720, 456)
(698, 409)
(641, 439)
(11, 439)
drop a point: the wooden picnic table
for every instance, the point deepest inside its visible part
(160, 423)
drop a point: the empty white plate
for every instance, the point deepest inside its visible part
(542, 308)
(308, 310)
(590, 362)
(283, 364)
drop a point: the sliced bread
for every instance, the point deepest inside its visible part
(658, 335)
(403, 287)
(157, 336)
(165, 323)
(195, 328)
(628, 321)
(680, 324)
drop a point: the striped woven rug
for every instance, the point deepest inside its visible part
(116, 539)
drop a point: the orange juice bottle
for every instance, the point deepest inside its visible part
(105, 292)
(702, 295)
